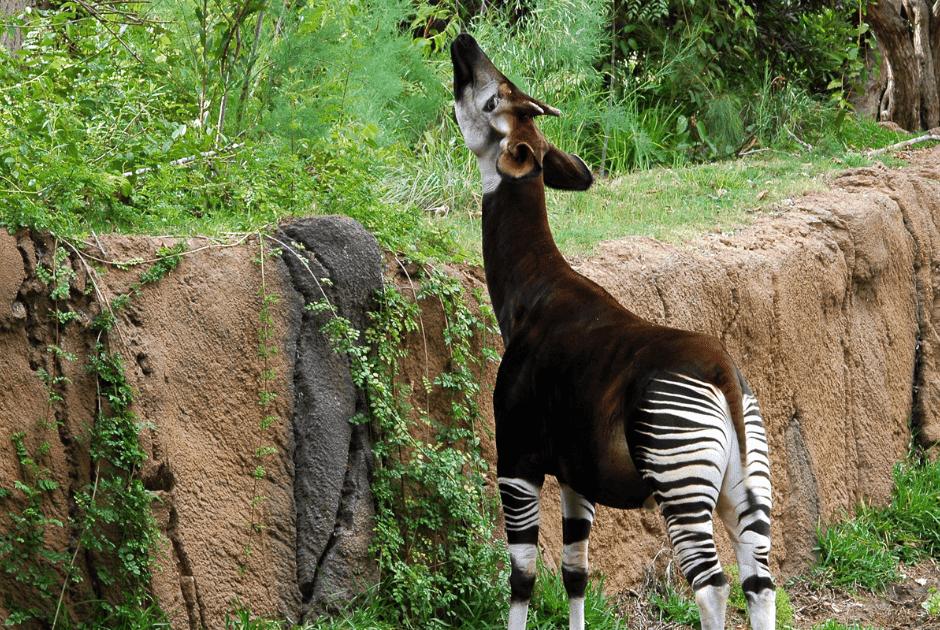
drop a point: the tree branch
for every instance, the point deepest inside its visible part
(905, 143)
(805, 145)
(181, 161)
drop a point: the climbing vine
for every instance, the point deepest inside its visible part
(435, 518)
(266, 396)
(112, 517)
(24, 556)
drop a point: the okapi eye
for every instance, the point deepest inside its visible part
(490, 104)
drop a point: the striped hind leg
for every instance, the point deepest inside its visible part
(681, 446)
(521, 499)
(744, 507)
(577, 514)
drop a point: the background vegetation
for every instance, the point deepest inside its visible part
(225, 116)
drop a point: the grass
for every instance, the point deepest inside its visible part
(548, 609)
(674, 606)
(671, 204)
(866, 551)
(832, 624)
(549, 606)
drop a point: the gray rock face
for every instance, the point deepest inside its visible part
(341, 262)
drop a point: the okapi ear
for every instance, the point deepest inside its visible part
(566, 171)
(518, 161)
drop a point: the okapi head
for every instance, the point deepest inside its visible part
(498, 123)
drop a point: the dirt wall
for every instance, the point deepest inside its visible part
(191, 350)
(829, 306)
(189, 346)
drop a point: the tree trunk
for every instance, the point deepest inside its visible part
(908, 33)
(11, 38)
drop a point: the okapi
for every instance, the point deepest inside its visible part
(618, 409)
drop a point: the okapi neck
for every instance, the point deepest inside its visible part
(520, 257)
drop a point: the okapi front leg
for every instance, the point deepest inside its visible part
(521, 509)
(577, 515)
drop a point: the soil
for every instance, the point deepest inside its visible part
(814, 603)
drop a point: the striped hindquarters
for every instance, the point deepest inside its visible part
(682, 437)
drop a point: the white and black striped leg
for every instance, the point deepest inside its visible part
(577, 514)
(744, 507)
(681, 447)
(692, 536)
(521, 509)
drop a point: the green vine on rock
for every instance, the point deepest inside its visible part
(435, 518)
(113, 518)
(24, 557)
(266, 396)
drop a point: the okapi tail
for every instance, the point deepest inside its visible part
(752, 445)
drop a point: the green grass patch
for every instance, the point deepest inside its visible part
(675, 607)
(672, 204)
(867, 550)
(549, 606)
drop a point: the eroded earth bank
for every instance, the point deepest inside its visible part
(831, 308)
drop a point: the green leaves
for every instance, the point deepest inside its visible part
(434, 517)
(23, 554)
(266, 395)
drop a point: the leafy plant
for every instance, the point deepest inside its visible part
(114, 517)
(23, 551)
(24, 556)
(932, 603)
(434, 518)
(266, 395)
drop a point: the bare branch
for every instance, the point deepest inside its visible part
(905, 143)
(94, 13)
(185, 160)
(805, 145)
